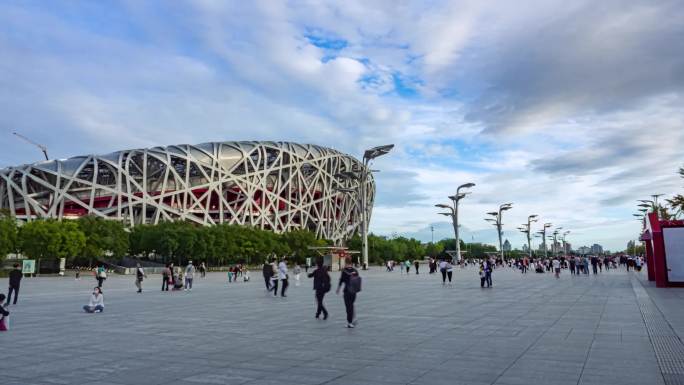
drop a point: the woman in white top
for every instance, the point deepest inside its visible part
(282, 275)
(96, 304)
(556, 267)
(443, 270)
(297, 273)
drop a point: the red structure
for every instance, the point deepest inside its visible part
(657, 258)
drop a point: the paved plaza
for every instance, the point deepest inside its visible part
(528, 329)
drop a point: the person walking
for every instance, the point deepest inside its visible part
(203, 270)
(488, 272)
(443, 270)
(594, 264)
(416, 264)
(572, 265)
(267, 272)
(321, 285)
(166, 277)
(556, 266)
(139, 275)
(189, 276)
(100, 275)
(282, 275)
(352, 285)
(297, 272)
(449, 270)
(96, 304)
(14, 282)
(407, 263)
(586, 265)
(481, 273)
(578, 265)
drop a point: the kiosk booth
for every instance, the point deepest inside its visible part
(333, 256)
(664, 244)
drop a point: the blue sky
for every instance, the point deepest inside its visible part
(570, 111)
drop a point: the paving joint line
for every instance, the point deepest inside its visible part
(540, 336)
(593, 339)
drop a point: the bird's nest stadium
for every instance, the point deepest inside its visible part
(278, 186)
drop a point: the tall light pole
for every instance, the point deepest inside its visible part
(368, 156)
(455, 199)
(565, 250)
(543, 236)
(555, 241)
(499, 224)
(361, 176)
(454, 212)
(528, 231)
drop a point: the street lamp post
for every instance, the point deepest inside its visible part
(368, 156)
(555, 241)
(498, 224)
(530, 219)
(454, 212)
(543, 234)
(565, 249)
(362, 177)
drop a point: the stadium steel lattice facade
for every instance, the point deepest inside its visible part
(271, 185)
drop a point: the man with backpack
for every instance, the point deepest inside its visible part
(352, 285)
(321, 285)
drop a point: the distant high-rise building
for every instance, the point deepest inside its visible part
(525, 248)
(584, 250)
(506, 245)
(568, 248)
(596, 249)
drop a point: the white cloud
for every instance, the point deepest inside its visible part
(572, 127)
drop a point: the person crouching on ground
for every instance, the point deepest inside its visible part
(96, 304)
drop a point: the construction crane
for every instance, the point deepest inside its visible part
(42, 147)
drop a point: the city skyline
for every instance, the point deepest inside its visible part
(468, 92)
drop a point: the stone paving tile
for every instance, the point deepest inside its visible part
(528, 329)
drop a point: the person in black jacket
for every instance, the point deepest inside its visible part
(321, 284)
(267, 271)
(349, 295)
(14, 282)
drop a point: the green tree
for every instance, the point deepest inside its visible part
(51, 239)
(299, 241)
(72, 240)
(8, 234)
(434, 250)
(103, 237)
(37, 240)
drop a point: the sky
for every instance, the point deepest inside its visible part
(569, 110)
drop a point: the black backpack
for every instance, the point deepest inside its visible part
(326, 282)
(354, 283)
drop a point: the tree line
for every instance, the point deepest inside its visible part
(90, 239)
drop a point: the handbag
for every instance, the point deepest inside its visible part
(4, 324)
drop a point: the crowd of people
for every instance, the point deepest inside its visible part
(577, 264)
(276, 274)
